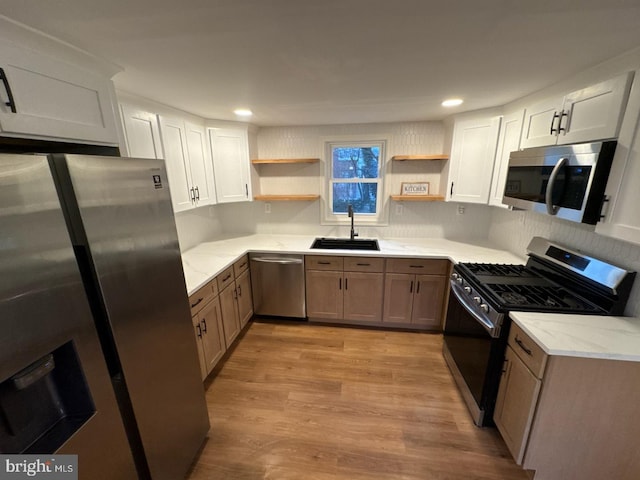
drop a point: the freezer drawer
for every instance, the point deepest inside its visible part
(278, 285)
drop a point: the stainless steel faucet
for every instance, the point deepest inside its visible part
(351, 216)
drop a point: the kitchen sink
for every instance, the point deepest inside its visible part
(346, 243)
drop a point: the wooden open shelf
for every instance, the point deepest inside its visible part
(417, 198)
(286, 198)
(259, 161)
(402, 158)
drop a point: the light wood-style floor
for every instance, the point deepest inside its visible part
(304, 402)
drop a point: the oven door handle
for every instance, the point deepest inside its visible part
(548, 195)
(468, 306)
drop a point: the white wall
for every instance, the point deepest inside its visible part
(429, 219)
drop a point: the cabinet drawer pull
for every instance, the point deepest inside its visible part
(346, 284)
(240, 290)
(522, 346)
(243, 264)
(226, 278)
(505, 365)
(197, 302)
(11, 103)
(204, 325)
(560, 127)
(235, 293)
(199, 331)
(411, 287)
(363, 264)
(553, 121)
(339, 284)
(416, 266)
(197, 191)
(418, 288)
(324, 263)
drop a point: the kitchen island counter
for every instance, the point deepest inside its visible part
(208, 259)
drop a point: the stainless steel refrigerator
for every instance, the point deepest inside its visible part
(121, 222)
(55, 391)
(119, 217)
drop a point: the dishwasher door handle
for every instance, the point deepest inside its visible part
(281, 261)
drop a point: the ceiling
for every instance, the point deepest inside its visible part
(297, 62)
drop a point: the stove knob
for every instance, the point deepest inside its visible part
(455, 276)
(459, 280)
(484, 307)
(467, 289)
(478, 300)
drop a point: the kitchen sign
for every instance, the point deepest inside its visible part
(420, 188)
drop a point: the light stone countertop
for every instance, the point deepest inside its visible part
(208, 259)
(592, 336)
(558, 334)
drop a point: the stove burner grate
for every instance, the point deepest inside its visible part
(536, 296)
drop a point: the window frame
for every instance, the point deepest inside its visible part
(381, 215)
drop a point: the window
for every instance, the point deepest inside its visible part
(354, 174)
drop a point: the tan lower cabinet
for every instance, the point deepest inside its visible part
(229, 309)
(344, 289)
(211, 329)
(569, 418)
(415, 299)
(516, 403)
(362, 296)
(207, 324)
(244, 298)
(324, 294)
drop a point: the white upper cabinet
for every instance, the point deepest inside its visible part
(141, 132)
(621, 219)
(190, 178)
(593, 113)
(508, 141)
(230, 153)
(200, 164)
(42, 97)
(473, 151)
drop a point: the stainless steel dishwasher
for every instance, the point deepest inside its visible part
(278, 284)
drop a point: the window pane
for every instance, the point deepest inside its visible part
(355, 162)
(363, 197)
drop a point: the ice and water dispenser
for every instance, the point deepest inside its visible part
(44, 404)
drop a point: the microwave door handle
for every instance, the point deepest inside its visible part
(551, 208)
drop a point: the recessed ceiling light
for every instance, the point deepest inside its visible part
(452, 102)
(243, 112)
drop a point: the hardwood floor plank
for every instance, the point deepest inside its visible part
(309, 402)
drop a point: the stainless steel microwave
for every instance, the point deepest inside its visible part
(566, 181)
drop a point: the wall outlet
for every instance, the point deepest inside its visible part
(267, 207)
(399, 209)
(460, 209)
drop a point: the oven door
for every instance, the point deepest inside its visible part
(474, 357)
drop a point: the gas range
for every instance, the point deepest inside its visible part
(555, 279)
(517, 287)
